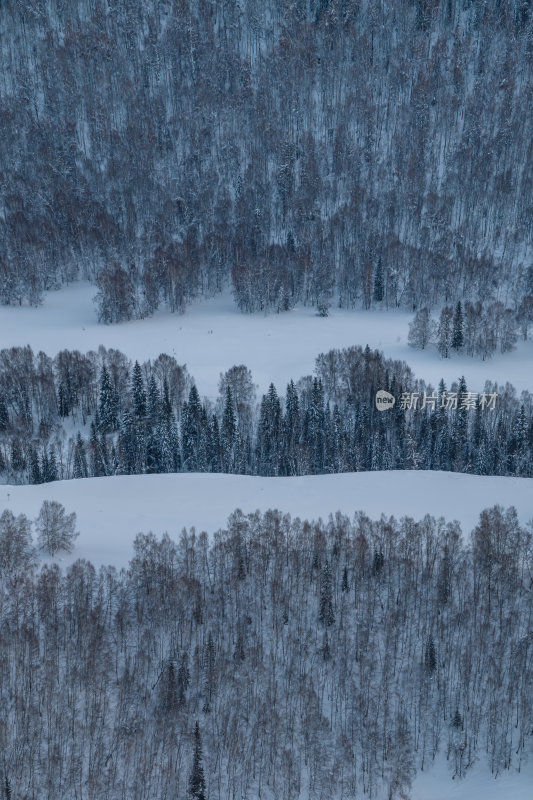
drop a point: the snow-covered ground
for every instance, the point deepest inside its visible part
(212, 335)
(111, 511)
(478, 784)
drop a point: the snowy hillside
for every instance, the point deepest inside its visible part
(112, 510)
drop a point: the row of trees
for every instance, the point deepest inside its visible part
(375, 149)
(279, 658)
(474, 329)
(78, 416)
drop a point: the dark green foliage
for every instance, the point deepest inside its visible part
(138, 392)
(430, 657)
(108, 403)
(326, 614)
(378, 283)
(4, 416)
(457, 333)
(457, 720)
(196, 778)
(80, 458)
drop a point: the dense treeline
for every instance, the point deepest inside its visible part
(98, 414)
(282, 658)
(377, 149)
(472, 328)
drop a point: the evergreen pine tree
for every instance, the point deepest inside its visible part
(63, 399)
(430, 657)
(457, 720)
(4, 416)
(80, 458)
(228, 434)
(191, 431)
(168, 689)
(444, 332)
(127, 445)
(269, 434)
(345, 585)
(52, 466)
(215, 446)
(95, 459)
(196, 778)
(378, 283)
(18, 462)
(184, 677)
(137, 392)
(326, 614)
(107, 404)
(154, 400)
(35, 469)
(457, 333)
(460, 428)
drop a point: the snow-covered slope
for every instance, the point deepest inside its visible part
(212, 336)
(112, 510)
(478, 784)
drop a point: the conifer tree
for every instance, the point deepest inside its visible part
(196, 778)
(154, 400)
(138, 392)
(96, 461)
(183, 677)
(4, 416)
(444, 332)
(378, 283)
(108, 403)
(430, 657)
(35, 469)
(228, 434)
(457, 333)
(80, 458)
(326, 614)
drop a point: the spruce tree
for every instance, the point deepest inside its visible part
(154, 400)
(430, 657)
(196, 778)
(444, 332)
(97, 468)
(228, 434)
(138, 393)
(80, 458)
(457, 333)
(63, 399)
(184, 677)
(107, 404)
(35, 469)
(326, 614)
(4, 416)
(378, 283)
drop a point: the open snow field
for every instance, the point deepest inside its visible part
(212, 335)
(111, 511)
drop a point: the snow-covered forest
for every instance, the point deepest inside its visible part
(281, 659)
(378, 150)
(97, 414)
(266, 399)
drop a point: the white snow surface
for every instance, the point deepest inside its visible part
(111, 511)
(212, 336)
(478, 784)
